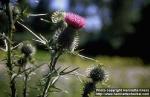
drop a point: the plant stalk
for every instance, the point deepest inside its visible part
(46, 88)
(25, 85)
(52, 68)
(9, 61)
(26, 76)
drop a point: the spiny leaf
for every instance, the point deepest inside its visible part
(63, 73)
(55, 80)
(64, 69)
(43, 38)
(84, 57)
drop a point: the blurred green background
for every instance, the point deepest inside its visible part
(124, 72)
(116, 34)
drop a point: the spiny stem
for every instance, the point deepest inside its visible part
(26, 77)
(54, 60)
(52, 68)
(9, 63)
(46, 88)
(9, 13)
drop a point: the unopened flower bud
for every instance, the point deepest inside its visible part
(97, 74)
(67, 39)
(57, 16)
(27, 49)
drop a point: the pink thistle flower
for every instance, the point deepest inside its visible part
(74, 20)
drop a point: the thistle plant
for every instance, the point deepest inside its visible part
(16, 66)
(27, 50)
(8, 43)
(65, 39)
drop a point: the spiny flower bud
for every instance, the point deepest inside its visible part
(97, 74)
(27, 49)
(67, 39)
(57, 16)
(88, 88)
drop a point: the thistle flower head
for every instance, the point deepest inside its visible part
(97, 74)
(71, 19)
(27, 49)
(74, 20)
(66, 36)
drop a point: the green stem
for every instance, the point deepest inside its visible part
(54, 59)
(52, 69)
(9, 61)
(46, 88)
(25, 85)
(26, 76)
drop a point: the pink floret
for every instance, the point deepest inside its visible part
(74, 20)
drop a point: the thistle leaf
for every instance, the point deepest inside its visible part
(67, 72)
(55, 80)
